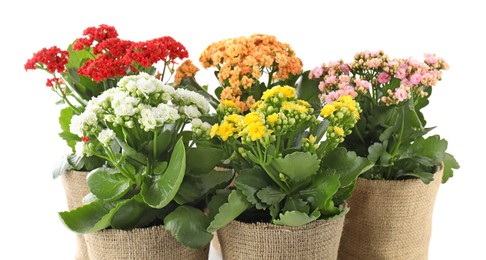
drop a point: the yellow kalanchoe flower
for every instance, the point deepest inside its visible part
(253, 117)
(292, 106)
(256, 131)
(272, 119)
(338, 130)
(226, 130)
(279, 91)
(228, 103)
(327, 110)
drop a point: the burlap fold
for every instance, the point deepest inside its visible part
(389, 220)
(139, 244)
(261, 241)
(75, 187)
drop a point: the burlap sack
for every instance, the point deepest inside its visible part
(75, 187)
(389, 220)
(139, 244)
(261, 241)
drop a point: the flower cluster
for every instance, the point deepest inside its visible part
(374, 71)
(242, 61)
(342, 114)
(277, 114)
(139, 102)
(186, 70)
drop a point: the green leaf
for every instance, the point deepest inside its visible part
(347, 164)
(297, 166)
(189, 226)
(375, 151)
(426, 177)
(161, 189)
(237, 204)
(270, 195)
(164, 139)
(429, 152)
(220, 198)
(91, 217)
(65, 117)
(132, 153)
(202, 160)
(296, 218)
(296, 204)
(194, 188)
(308, 89)
(321, 191)
(249, 182)
(133, 214)
(106, 183)
(449, 164)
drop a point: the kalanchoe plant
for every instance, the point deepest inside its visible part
(392, 129)
(94, 63)
(290, 169)
(156, 171)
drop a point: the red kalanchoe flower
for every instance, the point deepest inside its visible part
(50, 82)
(160, 49)
(53, 58)
(104, 67)
(85, 139)
(114, 47)
(99, 34)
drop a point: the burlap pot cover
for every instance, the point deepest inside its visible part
(139, 244)
(316, 240)
(75, 187)
(389, 220)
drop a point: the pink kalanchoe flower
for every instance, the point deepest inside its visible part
(316, 73)
(331, 80)
(415, 79)
(374, 63)
(383, 78)
(401, 72)
(322, 86)
(332, 96)
(431, 59)
(401, 94)
(362, 85)
(345, 69)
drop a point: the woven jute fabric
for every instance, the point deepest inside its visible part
(75, 187)
(389, 220)
(262, 241)
(152, 243)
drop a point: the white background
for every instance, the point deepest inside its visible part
(317, 31)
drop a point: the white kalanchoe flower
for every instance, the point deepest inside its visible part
(145, 86)
(191, 111)
(106, 137)
(187, 97)
(76, 126)
(147, 119)
(196, 123)
(166, 90)
(164, 113)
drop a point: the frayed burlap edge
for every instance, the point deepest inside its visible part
(263, 241)
(389, 220)
(75, 188)
(139, 244)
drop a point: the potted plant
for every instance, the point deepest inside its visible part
(148, 201)
(288, 199)
(391, 208)
(89, 66)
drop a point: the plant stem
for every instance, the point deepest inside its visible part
(360, 136)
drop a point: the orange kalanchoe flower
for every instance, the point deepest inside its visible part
(185, 70)
(242, 61)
